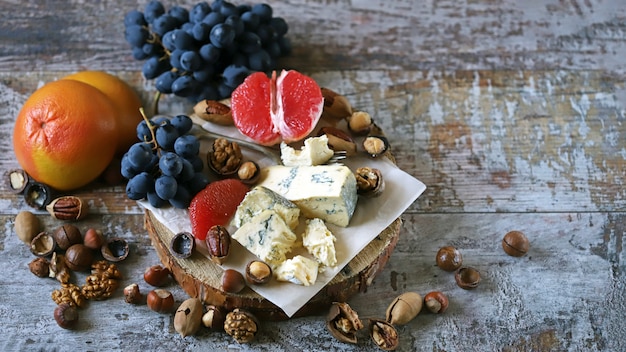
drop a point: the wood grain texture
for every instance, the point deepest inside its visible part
(512, 113)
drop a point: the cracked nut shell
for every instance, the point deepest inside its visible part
(214, 317)
(17, 180)
(258, 272)
(37, 195)
(343, 322)
(384, 335)
(188, 317)
(43, 244)
(115, 249)
(40, 267)
(467, 278)
(182, 245)
(375, 145)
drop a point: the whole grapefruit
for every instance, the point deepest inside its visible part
(125, 100)
(65, 135)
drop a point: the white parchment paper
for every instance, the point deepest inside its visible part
(371, 217)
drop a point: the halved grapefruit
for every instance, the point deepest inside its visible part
(284, 108)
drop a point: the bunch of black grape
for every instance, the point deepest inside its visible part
(205, 53)
(165, 167)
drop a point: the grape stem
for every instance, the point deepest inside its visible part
(153, 141)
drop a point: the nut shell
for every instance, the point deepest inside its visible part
(17, 180)
(182, 245)
(384, 335)
(39, 267)
(370, 182)
(376, 146)
(37, 195)
(258, 272)
(115, 249)
(249, 172)
(43, 244)
(343, 322)
(214, 317)
(467, 278)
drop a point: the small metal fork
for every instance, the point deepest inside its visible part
(271, 153)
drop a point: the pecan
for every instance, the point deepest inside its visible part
(214, 111)
(226, 157)
(70, 294)
(67, 208)
(218, 243)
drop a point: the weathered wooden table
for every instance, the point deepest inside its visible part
(511, 112)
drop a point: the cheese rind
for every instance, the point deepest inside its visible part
(320, 242)
(315, 151)
(299, 270)
(260, 199)
(267, 236)
(327, 192)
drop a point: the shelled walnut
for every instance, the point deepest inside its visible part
(102, 282)
(70, 294)
(225, 158)
(241, 325)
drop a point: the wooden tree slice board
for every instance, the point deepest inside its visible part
(200, 277)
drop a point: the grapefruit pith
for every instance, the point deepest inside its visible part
(284, 108)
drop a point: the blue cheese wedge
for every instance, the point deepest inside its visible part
(327, 192)
(299, 270)
(320, 242)
(260, 199)
(315, 151)
(267, 236)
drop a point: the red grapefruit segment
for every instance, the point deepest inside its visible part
(250, 105)
(284, 108)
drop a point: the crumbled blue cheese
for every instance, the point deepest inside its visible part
(320, 242)
(327, 192)
(299, 270)
(260, 199)
(267, 236)
(315, 151)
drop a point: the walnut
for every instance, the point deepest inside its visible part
(241, 325)
(70, 294)
(226, 157)
(57, 268)
(102, 282)
(369, 181)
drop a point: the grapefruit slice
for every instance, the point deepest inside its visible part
(215, 205)
(284, 108)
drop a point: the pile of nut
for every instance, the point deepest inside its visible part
(65, 250)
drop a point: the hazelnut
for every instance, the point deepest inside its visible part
(17, 180)
(27, 226)
(115, 249)
(449, 258)
(384, 335)
(66, 315)
(67, 235)
(132, 294)
(37, 195)
(360, 122)
(182, 245)
(157, 275)
(214, 317)
(40, 267)
(467, 278)
(232, 281)
(78, 257)
(160, 300)
(249, 172)
(404, 308)
(43, 244)
(436, 302)
(93, 239)
(258, 272)
(218, 243)
(375, 145)
(515, 243)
